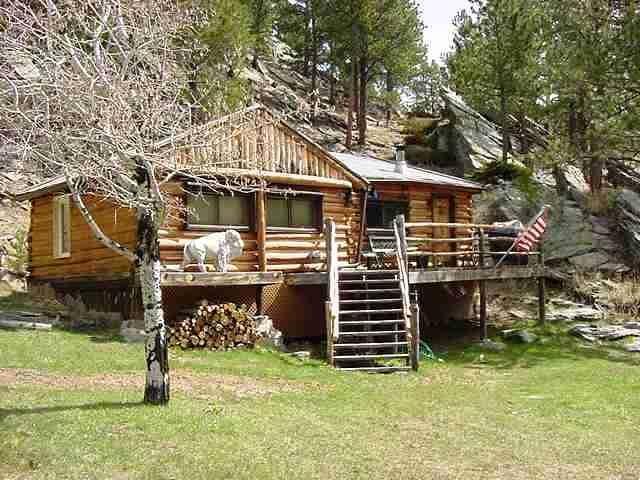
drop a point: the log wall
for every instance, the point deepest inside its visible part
(287, 251)
(421, 204)
(88, 256)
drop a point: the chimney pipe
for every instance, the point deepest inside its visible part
(401, 163)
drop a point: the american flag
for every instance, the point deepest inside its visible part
(532, 234)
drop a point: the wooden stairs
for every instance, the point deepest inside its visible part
(372, 327)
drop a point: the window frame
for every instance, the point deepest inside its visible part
(61, 202)
(317, 205)
(221, 227)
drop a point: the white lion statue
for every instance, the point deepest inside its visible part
(220, 247)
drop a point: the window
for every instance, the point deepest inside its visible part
(61, 227)
(219, 211)
(381, 214)
(293, 212)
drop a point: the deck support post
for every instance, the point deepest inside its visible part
(415, 332)
(483, 289)
(329, 322)
(541, 291)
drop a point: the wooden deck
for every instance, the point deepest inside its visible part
(416, 276)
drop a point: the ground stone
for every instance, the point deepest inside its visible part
(519, 336)
(491, 345)
(573, 314)
(590, 261)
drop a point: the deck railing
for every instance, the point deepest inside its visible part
(472, 249)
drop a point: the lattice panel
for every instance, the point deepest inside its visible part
(296, 311)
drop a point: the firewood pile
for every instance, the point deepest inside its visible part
(215, 327)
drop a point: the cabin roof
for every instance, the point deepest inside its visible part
(347, 178)
(376, 170)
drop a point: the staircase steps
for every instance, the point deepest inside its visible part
(372, 333)
(372, 356)
(370, 345)
(370, 300)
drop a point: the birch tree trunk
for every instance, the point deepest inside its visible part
(156, 349)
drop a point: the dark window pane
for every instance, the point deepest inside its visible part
(234, 211)
(203, 209)
(302, 212)
(277, 212)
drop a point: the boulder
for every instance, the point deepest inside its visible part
(590, 261)
(268, 335)
(574, 314)
(519, 336)
(491, 346)
(627, 206)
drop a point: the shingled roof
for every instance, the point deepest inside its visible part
(377, 170)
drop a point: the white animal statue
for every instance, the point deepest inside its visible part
(220, 247)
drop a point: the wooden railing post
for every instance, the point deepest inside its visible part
(261, 230)
(402, 231)
(333, 303)
(483, 289)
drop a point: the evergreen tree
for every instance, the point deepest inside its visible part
(496, 57)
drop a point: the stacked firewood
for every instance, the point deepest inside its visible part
(216, 327)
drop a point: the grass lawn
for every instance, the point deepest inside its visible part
(70, 408)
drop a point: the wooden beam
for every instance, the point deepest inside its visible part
(306, 278)
(200, 279)
(261, 230)
(444, 275)
(283, 178)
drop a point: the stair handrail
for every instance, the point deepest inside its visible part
(332, 271)
(403, 264)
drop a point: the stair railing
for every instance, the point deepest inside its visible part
(402, 258)
(332, 306)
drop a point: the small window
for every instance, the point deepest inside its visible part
(293, 212)
(61, 227)
(381, 214)
(219, 210)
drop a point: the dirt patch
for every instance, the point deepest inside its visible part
(186, 383)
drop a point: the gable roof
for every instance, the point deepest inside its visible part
(286, 155)
(376, 170)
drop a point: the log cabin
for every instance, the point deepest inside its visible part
(316, 214)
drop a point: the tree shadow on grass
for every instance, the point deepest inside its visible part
(7, 412)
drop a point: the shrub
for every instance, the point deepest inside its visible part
(418, 129)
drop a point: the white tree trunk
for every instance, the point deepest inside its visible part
(157, 384)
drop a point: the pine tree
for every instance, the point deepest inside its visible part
(495, 60)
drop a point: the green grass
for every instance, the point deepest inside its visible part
(548, 409)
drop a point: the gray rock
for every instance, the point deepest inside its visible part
(519, 336)
(574, 314)
(302, 354)
(132, 331)
(268, 335)
(491, 345)
(633, 347)
(590, 261)
(628, 213)
(603, 332)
